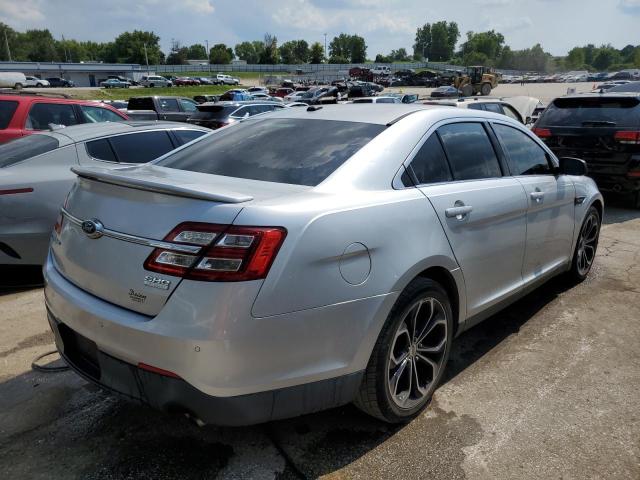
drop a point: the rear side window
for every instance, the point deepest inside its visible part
(592, 112)
(99, 114)
(169, 104)
(187, 105)
(101, 150)
(430, 163)
(7, 109)
(42, 115)
(185, 136)
(25, 147)
(469, 151)
(141, 147)
(525, 156)
(262, 149)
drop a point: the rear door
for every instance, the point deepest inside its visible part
(483, 213)
(550, 202)
(168, 109)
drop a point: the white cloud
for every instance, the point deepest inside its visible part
(630, 6)
(24, 13)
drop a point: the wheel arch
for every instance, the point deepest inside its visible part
(448, 282)
(597, 203)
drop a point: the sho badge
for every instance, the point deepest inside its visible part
(155, 282)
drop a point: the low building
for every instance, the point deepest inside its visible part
(87, 74)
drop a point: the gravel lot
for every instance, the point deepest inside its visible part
(548, 388)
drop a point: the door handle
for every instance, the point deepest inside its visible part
(458, 212)
(537, 196)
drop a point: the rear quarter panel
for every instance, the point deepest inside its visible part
(336, 253)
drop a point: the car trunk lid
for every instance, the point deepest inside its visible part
(137, 207)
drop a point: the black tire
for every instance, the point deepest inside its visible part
(374, 396)
(18, 86)
(636, 199)
(579, 272)
(38, 85)
(485, 89)
(151, 85)
(467, 90)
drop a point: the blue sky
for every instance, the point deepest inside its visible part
(385, 24)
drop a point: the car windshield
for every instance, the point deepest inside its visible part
(25, 147)
(592, 111)
(262, 150)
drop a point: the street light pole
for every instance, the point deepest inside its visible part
(208, 58)
(325, 47)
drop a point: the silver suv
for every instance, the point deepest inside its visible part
(311, 257)
(155, 81)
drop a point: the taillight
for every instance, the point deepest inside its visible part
(227, 253)
(542, 132)
(630, 137)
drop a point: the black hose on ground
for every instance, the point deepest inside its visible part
(40, 368)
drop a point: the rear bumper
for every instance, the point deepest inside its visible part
(174, 395)
(208, 337)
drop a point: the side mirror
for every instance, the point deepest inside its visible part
(528, 121)
(572, 166)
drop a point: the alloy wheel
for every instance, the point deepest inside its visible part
(417, 353)
(587, 243)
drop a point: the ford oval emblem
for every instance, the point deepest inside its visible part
(92, 228)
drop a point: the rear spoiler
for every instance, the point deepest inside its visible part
(124, 178)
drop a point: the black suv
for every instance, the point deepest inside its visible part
(602, 129)
(219, 114)
(60, 82)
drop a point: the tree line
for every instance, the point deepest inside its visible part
(435, 42)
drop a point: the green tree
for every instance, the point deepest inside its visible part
(247, 52)
(576, 58)
(294, 51)
(488, 43)
(422, 45)
(399, 55)
(351, 48)
(383, 59)
(196, 52)
(269, 54)
(129, 47)
(40, 46)
(606, 56)
(316, 53)
(178, 54)
(220, 54)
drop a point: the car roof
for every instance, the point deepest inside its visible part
(21, 97)
(378, 113)
(606, 94)
(88, 131)
(240, 103)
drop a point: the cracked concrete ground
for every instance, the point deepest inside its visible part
(548, 388)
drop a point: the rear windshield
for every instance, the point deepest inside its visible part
(213, 112)
(25, 147)
(592, 112)
(294, 151)
(7, 109)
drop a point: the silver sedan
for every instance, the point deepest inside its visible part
(35, 175)
(248, 277)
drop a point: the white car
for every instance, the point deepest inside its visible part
(155, 81)
(377, 100)
(381, 70)
(294, 97)
(226, 79)
(36, 82)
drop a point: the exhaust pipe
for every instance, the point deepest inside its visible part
(617, 188)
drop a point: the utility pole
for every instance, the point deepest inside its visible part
(208, 57)
(6, 42)
(64, 48)
(146, 58)
(325, 47)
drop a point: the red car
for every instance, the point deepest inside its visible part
(26, 114)
(182, 81)
(282, 92)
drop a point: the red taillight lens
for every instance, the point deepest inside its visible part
(628, 137)
(227, 253)
(542, 132)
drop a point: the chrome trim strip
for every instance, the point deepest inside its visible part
(136, 239)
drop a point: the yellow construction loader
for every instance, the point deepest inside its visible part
(477, 80)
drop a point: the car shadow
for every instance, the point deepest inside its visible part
(15, 279)
(618, 209)
(84, 422)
